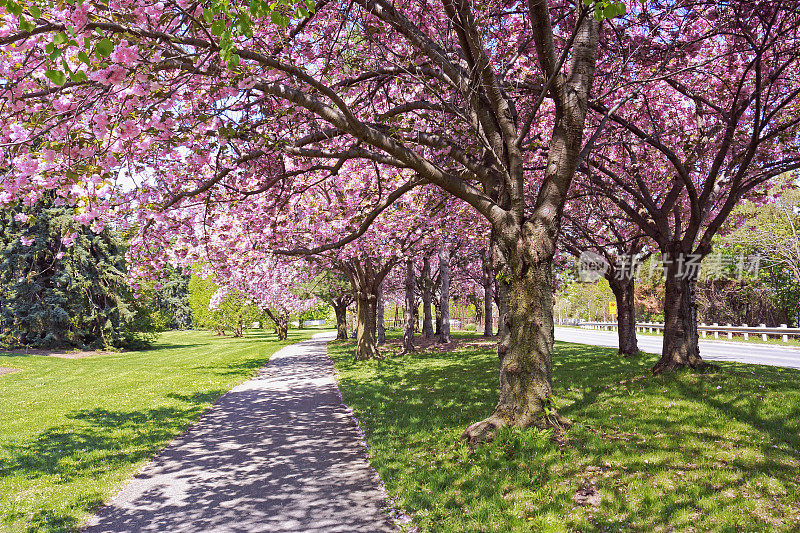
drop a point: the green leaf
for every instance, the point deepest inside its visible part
(208, 15)
(104, 48)
(25, 24)
(280, 20)
(59, 38)
(55, 54)
(35, 12)
(218, 28)
(83, 56)
(49, 48)
(78, 76)
(311, 6)
(56, 76)
(233, 62)
(14, 8)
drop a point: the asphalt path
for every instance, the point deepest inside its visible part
(278, 453)
(743, 352)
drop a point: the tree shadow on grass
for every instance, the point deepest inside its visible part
(167, 346)
(97, 443)
(664, 451)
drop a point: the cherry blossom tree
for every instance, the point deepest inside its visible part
(607, 244)
(715, 121)
(231, 103)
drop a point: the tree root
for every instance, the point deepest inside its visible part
(486, 430)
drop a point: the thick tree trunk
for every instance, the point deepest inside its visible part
(379, 312)
(527, 238)
(680, 348)
(624, 293)
(365, 277)
(408, 333)
(366, 337)
(525, 349)
(340, 309)
(437, 319)
(444, 275)
(281, 324)
(238, 330)
(488, 282)
(283, 329)
(427, 316)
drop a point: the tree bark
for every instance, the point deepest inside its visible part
(437, 307)
(340, 309)
(624, 293)
(488, 282)
(680, 348)
(444, 275)
(281, 322)
(365, 276)
(283, 328)
(380, 318)
(366, 335)
(408, 333)
(525, 350)
(427, 316)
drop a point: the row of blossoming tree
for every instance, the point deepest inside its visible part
(249, 134)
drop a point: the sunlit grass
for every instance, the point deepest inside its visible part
(72, 431)
(680, 452)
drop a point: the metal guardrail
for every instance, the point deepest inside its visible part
(783, 331)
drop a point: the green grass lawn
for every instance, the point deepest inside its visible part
(72, 431)
(680, 452)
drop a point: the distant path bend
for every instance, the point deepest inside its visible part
(278, 453)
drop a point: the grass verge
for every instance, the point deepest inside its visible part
(679, 452)
(72, 431)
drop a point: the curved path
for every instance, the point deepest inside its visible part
(278, 453)
(742, 352)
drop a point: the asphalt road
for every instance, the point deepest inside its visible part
(757, 354)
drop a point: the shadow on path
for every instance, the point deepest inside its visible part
(278, 453)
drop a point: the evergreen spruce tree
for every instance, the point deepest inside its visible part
(36, 307)
(171, 300)
(54, 293)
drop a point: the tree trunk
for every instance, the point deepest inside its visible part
(238, 330)
(365, 277)
(366, 338)
(680, 348)
(427, 318)
(444, 275)
(281, 322)
(624, 292)
(380, 318)
(283, 329)
(408, 333)
(488, 326)
(340, 308)
(525, 349)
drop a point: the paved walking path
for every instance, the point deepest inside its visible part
(278, 453)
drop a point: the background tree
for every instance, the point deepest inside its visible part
(714, 120)
(62, 283)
